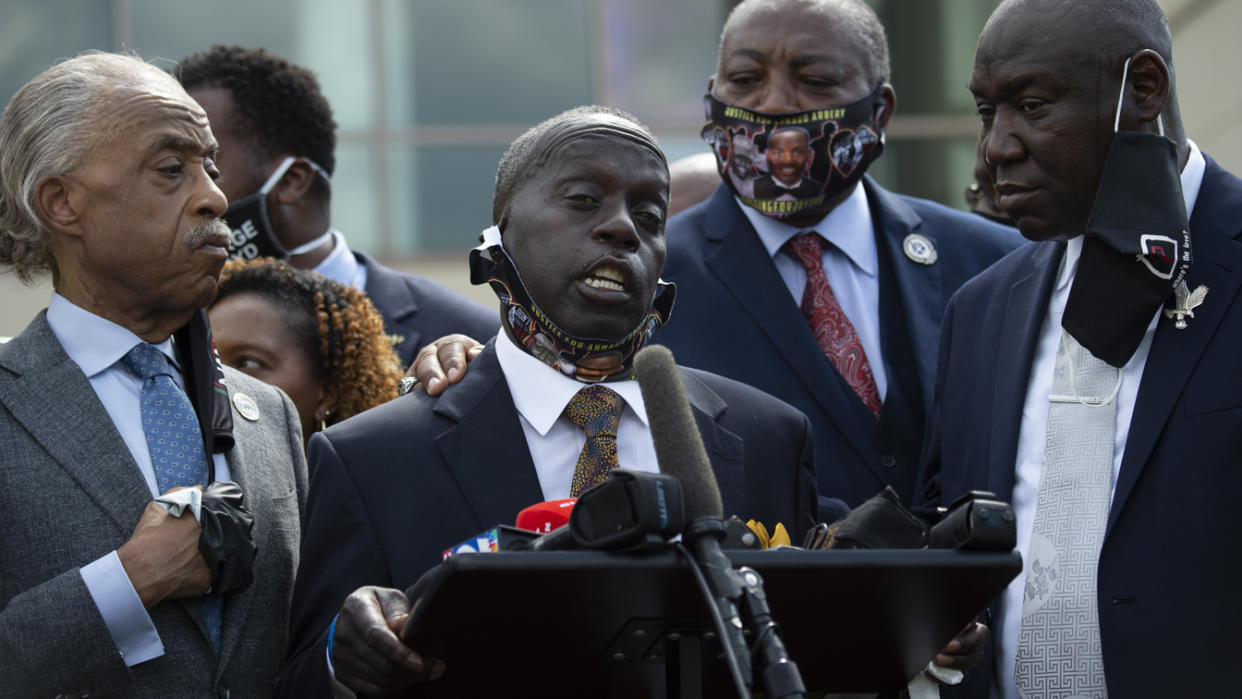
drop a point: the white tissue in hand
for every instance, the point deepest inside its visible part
(185, 499)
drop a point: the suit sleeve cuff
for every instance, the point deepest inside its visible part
(127, 620)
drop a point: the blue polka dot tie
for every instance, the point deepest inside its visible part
(175, 441)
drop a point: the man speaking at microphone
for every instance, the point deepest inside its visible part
(547, 410)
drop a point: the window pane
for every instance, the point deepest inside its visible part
(492, 61)
(329, 38)
(34, 34)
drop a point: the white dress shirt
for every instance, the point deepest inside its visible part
(850, 264)
(1033, 430)
(540, 394)
(341, 266)
(97, 345)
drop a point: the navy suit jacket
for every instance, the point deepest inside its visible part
(419, 310)
(1170, 564)
(735, 317)
(395, 486)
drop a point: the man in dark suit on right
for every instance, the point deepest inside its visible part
(1126, 511)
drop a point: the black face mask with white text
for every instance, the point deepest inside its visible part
(253, 235)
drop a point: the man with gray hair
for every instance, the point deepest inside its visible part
(111, 398)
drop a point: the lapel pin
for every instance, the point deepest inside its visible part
(246, 407)
(1186, 301)
(919, 249)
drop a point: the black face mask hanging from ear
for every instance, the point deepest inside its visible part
(1136, 247)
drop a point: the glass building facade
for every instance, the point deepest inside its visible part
(427, 93)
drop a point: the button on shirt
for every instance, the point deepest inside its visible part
(1033, 429)
(540, 394)
(850, 264)
(96, 345)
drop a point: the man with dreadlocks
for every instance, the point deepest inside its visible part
(320, 341)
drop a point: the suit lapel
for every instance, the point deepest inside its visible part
(919, 293)
(1175, 353)
(1022, 320)
(725, 450)
(742, 265)
(53, 400)
(496, 476)
(252, 474)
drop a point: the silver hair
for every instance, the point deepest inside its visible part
(54, 124)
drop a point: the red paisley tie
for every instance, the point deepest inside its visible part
(833, 331)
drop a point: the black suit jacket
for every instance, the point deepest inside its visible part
(419, 310)
(735, 317)
(395, 486)
(1170, 563)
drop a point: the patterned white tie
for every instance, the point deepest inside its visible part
(175, 441)
(1059, 642)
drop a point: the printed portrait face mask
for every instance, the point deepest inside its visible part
(1136, 247)
(825, 156)
(252, 234)
(585, 359)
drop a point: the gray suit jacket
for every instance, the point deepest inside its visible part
(70, 492)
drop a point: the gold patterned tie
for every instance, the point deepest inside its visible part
(596, 410)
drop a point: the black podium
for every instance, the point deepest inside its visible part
(596, 624)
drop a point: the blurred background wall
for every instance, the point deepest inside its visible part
(427, 93)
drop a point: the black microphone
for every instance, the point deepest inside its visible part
(680, 453)
(678, 445)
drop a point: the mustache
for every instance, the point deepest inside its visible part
(215, 231)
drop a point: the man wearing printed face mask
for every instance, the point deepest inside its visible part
(1080, 377)
(277, 138)
(851, 341)
(575, 259)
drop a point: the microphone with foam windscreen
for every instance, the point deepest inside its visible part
(680, 453)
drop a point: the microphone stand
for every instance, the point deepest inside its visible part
(704, 535)
(743, 604)
(779, 673)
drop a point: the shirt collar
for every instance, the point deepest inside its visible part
(848, 226)
(1192, 181)
(540, 393)
(340, 265)
(92, 342)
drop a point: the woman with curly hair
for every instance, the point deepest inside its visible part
(319, 341)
